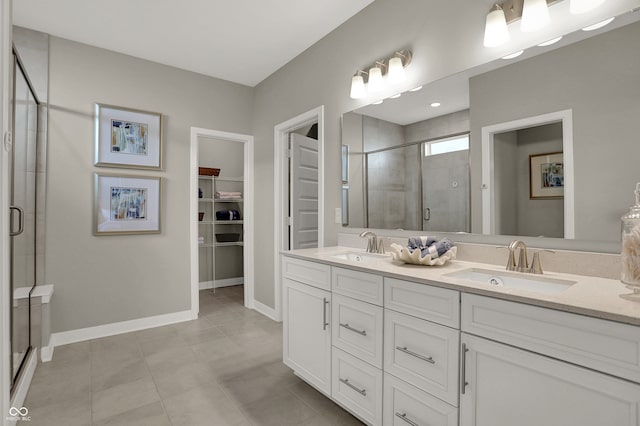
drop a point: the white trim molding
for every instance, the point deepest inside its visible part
(265, 310)
(22, 387)
(488, 194)
(206, 285)
(96, 332)
(248, 220)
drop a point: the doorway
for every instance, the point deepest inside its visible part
(205, 200)
(287, 180)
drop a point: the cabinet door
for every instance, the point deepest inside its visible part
(307, 333)
(508, 386)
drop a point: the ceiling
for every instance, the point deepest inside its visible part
(243, 41)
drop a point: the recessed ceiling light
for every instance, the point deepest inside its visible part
(397, 95)
(550, 42)
(378, 102)
(436, 104)
(513, 55)
(598, 25)
(415, 89)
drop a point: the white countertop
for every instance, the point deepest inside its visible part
(591, 296)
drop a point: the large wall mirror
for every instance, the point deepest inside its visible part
(545, 145)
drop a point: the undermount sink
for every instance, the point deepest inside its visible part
(361, 256)
(513, 280)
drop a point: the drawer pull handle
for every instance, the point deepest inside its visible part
(362, 392)
(355, 330)
(463, 368)
(422, 357)
(404, 417)
(325, 302)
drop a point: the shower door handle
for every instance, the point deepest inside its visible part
(20, 221)
(426, 216)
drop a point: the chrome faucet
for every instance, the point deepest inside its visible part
(522, 265)
(373, 245)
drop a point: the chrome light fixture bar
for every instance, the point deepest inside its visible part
(391, 68)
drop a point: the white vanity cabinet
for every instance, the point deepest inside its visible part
(306, 321)
(552, 381)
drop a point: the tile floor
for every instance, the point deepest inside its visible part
(225, 368)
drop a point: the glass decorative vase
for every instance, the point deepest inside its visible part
(630, 253)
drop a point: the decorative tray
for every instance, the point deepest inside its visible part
(403, 254)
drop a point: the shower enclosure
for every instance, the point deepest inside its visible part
(23, 215)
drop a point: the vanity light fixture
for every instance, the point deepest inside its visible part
(550, 42)
(582, 6)
(376, 83)
(358, 90)
(598, 25)
(535, 15)
(394, 68)
(513, 55)
(496, 32)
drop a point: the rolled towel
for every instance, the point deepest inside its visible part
(437, 249)
(220, 194)
(228, 215)
(420, 242)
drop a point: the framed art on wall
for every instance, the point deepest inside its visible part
(546, 176)
(125, 205)
(127, 138)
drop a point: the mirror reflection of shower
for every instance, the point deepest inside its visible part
(423, 185)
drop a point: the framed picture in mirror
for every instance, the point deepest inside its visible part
(546, 176)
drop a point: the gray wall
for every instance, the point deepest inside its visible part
(352, 136)
(605, 120)
(102, 280)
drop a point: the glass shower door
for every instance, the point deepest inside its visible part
(23, 217)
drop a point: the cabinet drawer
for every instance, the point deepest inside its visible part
(423, 301)
(599, 344)
(422, 353)
(359, 285)
(406, 405)
(357, 386)
(357, 328)
(314, 274)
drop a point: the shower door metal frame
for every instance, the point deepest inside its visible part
(16, 374)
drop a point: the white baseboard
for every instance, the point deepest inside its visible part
(205, 285)
(89, 333)
(266, 310)
(25, 381)
(46, 353)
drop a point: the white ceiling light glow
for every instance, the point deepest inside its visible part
(550, 42)
(583, 6)
(496, 32)
(394, 68)
(598, 25)
(513, 55)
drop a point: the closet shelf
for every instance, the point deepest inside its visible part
(230, 200)
(229, 222)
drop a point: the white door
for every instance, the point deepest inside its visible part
(508, 386)
(303, 206)
(307, 333)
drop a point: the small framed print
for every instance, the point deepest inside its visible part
(127, 138)
(126, 205)
(546, 176)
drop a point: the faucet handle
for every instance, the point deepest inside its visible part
(380, 246)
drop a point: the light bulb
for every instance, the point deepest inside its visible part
(376, 84)
(535, 15)
(496, 32)
(582, 6)
(396, 71)
(357, 87)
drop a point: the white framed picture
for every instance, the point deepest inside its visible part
(126, 205)
(127, 138)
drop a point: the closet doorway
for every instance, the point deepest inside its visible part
(221, 213)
